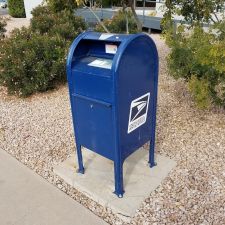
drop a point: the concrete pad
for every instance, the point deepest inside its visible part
(98, 181)
(26, 198)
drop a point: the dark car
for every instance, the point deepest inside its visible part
(3, 3)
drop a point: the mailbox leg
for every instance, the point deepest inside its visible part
(152, 162)
(80, 159)
(118, 171)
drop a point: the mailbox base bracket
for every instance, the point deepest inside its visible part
(152, 164)
(81, 171)
(119, 195)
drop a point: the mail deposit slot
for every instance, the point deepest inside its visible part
(113, 83)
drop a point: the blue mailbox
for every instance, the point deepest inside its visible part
(113, 80)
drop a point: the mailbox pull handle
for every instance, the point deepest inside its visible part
(93, 100)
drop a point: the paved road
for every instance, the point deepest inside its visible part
(26, 198)
(3, 12)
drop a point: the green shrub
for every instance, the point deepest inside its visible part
(60, 5)
(118, 23)
(2, 27)
(106, 3)
(202, 54)
(200, 91)
(63, 23)
(16, 8)
(31, 62)
(33, 59)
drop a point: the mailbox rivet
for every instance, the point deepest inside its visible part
(91, 105)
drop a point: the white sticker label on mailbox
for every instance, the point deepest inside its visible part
(105, 36)
(111, 49)
(138, 112)
(102, 63)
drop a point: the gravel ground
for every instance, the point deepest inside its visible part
(13, 23)
(38, 132)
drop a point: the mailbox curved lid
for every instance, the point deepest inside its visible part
(122, 40)
(108, 37)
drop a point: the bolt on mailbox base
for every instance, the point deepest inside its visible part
(151, 165)
(120, 194)
(81, 171)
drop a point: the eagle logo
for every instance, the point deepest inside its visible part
(138, 112)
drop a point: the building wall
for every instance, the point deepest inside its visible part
(30, 5)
